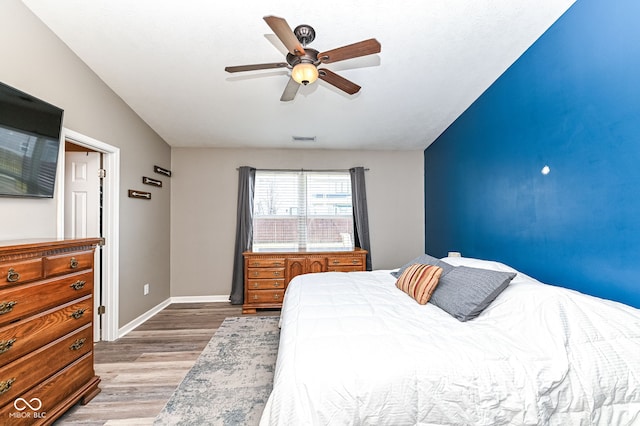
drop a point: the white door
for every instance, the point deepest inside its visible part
(82, 210)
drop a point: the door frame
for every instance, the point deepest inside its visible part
(110, 223)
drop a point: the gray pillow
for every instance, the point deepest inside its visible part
(465, 292)
(425, 259)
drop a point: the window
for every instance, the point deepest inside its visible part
(302, 211)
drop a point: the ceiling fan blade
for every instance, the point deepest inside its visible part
(255, 67)
(280, 27)
(290, 91)
(362, 48)
(338, 81)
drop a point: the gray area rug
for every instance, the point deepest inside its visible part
(231, 380)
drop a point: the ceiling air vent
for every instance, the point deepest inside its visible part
(303, 138)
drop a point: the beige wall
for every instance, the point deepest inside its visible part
(35, 61)
(204, 198)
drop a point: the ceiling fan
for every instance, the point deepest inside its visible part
(304, 61)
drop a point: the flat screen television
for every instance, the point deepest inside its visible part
(29, 143)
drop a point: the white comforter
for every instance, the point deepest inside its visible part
(355, 350)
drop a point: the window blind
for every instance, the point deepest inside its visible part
(302, 210)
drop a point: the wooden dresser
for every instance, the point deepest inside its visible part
(46, 329)
(267, 274)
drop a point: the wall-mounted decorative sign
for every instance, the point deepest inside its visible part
(162, 171)
(149, 181)
(139, 194)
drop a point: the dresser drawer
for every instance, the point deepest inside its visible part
(264, 284)
(68, 262)
(20, 271)
(264, 296)
(265, 263)
(344, 268)
(265, 273)
(22, 301)
(344, 261)
(22, 374)
(23, 337)
(51, 392)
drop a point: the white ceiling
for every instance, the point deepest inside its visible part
(166, 60)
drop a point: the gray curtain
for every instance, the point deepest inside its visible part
(360, 212)
(244, 231)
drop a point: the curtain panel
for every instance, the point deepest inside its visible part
(244, 231)
(360, 212)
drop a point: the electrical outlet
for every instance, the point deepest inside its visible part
(145, 289)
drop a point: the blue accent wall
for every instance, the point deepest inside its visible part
(571, 102)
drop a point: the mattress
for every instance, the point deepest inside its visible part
(355, 350)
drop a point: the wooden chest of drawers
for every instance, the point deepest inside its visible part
(46, 329)
(266, 275)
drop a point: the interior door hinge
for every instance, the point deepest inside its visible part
(102, 173)
(101, 310)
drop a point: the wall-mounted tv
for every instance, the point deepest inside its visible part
(29, 143)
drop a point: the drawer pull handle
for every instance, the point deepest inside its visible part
(77, 344)
(277, 263)
(255, 285)
(354, 261)
(276, 284)
(335, 262)
(5, 386)
(6, 307)
(255, 297)
(73, 263)
(5, 345)
(77, 314)
(276, 296)
(256, 264)
(78, 285)
(276, 273)
(255, 274)
(12, 276)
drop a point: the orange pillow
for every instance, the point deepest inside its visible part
(419, 281)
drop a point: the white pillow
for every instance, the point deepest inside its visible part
(478, 263)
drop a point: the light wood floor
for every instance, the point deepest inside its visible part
(140, 371)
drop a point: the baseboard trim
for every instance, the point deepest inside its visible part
(123, 331)
(199, 299)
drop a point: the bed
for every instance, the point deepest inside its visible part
(356, 350)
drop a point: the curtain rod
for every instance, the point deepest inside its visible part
(303, 170)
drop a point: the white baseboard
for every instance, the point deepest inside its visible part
(123, 331)
(199, 299)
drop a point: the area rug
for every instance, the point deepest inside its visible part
(231, 380)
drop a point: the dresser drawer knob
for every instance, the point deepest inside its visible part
(276, 296)
(276, 273)
(6, 307)
(6, 385)
(5, 345)
(276, 284)
(77, 314)
(255, 297)
(12, 275)
(256, 264)
(354, 261)
(78, 285)
(73, 263)
(277, 263)
(255, 274)
(335, 262)
(77, 344)
(255, 285)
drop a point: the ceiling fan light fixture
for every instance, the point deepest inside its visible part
(304, 73)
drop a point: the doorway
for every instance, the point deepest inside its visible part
(89, 206)
(83, 211)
